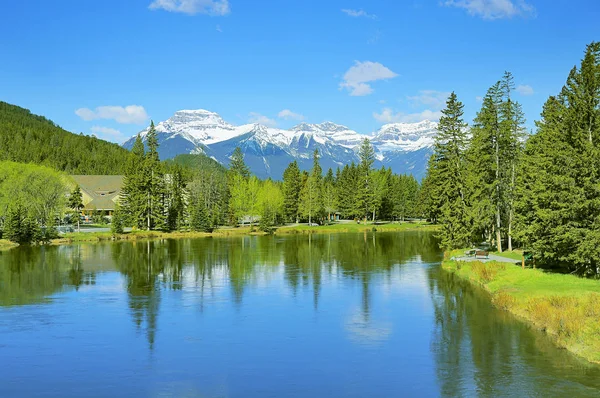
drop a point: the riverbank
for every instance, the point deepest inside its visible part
(5, 244)
(228, 231)
(566, 307)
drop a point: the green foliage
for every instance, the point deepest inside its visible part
(31, 198)
(117, 224)
(20, 227)
(448, 175)
(557, 196)
(311, 194)
(28, 138)
(200, 221)
(292, 185)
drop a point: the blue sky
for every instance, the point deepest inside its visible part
(107, 67)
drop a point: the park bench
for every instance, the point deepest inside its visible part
(482, 254)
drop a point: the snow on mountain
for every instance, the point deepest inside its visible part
(404, 147)
(405, 136)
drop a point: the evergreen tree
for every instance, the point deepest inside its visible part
(237, 164)
(366, 187)
(133, 194)
(116, 225)
(201, 221)
(20, 227)
(558, 200)
(330, 198)
(75, 203)
(311, 194)
(450, 175)
(292, 184)
(155, 207)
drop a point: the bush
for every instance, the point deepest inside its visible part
(485, 272)
(504, 301)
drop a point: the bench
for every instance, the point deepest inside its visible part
(470, 253)
(482, 254)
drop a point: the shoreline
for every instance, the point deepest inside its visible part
(565, 307)
(91, 237)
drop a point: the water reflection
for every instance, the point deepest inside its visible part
(364, 314)
(486, 352)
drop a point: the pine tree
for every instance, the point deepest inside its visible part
(292, 185)
(116, 225)
(75, 202)
(484, 167)
(155, 207)
(366, 186)
(558, 200)
(329, 194)
(450, 175)
(311, 194)
(237, 164)
(201, 221)
(133, 194)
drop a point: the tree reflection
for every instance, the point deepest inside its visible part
(486, 352)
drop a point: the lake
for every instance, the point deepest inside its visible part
(340, 315)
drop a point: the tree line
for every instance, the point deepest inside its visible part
(493, 182)
(179, 195)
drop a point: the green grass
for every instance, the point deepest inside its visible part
(567, 307)
(354, 227)
(229, 231)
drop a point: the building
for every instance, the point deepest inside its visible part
(99, 193)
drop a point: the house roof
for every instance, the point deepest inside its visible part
(103, 190)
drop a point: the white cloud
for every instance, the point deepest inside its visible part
(524, 89)
(286, 114)
(193, 7)
(261, 119)
(358, 13)
(132, 114)
(494, 9)
(479, 98)
(108, 134)
(430, 98)
(357, 77)
(219, 29)
(387, 115)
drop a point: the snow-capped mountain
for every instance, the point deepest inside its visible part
(404, 147)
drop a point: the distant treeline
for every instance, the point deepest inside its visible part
(498, 184)
(194, 192)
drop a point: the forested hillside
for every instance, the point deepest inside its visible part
(28, 138)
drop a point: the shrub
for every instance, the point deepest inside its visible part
(485, 272)
(504, 301)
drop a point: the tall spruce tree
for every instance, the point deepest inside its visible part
(450, 175)
(155, 207)
(484, 167)
(75, 203)
(366, 186)
(311, 204)
(133, 194)
(292, 184)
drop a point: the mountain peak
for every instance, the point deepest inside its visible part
(327, 127)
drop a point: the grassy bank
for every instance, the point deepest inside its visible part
(228, 231)
(5, 244)
(354, 227)
(566, 307)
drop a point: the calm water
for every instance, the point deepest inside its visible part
(365, 315)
